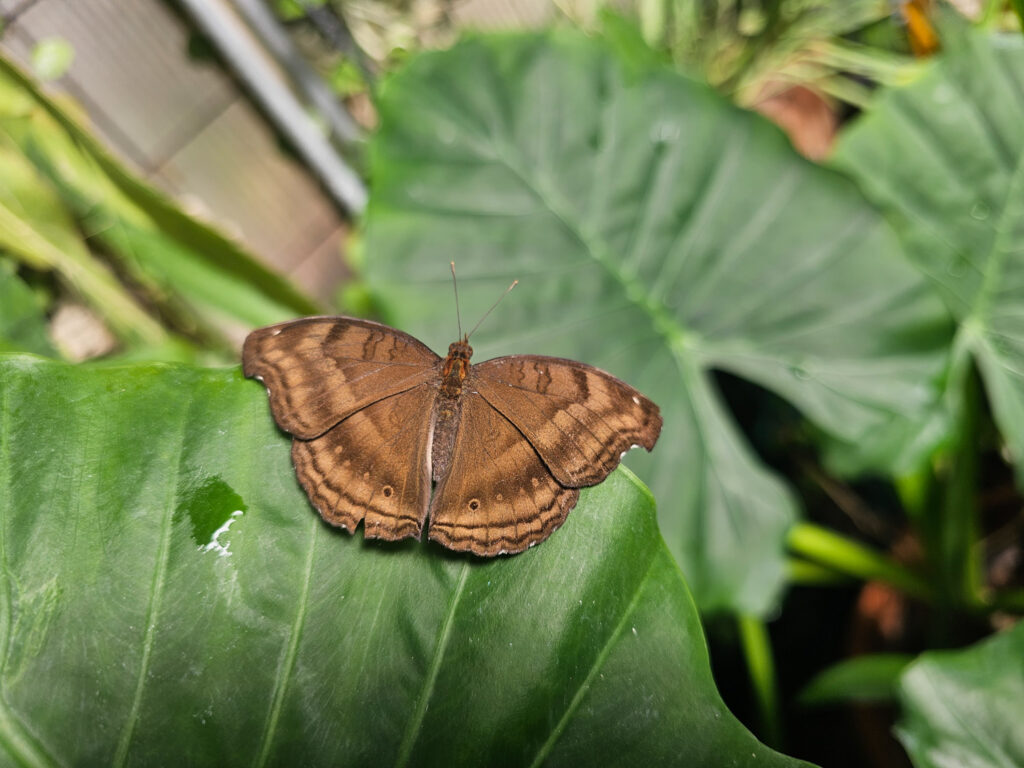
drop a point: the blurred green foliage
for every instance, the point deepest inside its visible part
(152, 273)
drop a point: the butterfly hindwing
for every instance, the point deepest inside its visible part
(498, 497)
(577, 417)
(319, 370)
(373, 466)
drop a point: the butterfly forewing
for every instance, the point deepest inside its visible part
(578, 418)
(498, 496)
(319, 370)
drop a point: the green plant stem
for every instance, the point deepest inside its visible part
(800, 571)
(757, 649)
(957, 530)
(854, 559)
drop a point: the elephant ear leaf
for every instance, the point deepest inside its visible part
(166, 589)
(944, 156)
(662, 234)
(965, 707)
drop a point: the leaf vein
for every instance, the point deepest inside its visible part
(416, 723)
(287, 665)
(156, 589)
(595, 668)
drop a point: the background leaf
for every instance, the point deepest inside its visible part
(872, 677)
(966, 707)
(945, 158)
(658, 233)
(167, 589)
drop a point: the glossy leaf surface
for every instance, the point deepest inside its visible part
(965, 708)
(168, 591)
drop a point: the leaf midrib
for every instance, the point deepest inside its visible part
(982, 305)
(678, 340)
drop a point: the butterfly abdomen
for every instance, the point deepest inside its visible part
(445, 427)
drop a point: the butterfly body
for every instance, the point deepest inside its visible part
(390, 434)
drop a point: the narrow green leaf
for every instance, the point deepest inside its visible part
(36, 228)
(22, 322)
(167, 593)
(848, 556)
(871, 678)
(966, 707)
(659, 233)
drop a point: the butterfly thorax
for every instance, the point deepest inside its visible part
(456, 368)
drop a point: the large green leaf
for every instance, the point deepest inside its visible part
(965, 708)
(659, 233)
(192, 275)
(168, 591)
(945, 157)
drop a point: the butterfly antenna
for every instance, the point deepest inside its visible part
(455, 285)
(507, 290)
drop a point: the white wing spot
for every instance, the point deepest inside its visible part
(214, 544)
(634, 445)
(636, 399)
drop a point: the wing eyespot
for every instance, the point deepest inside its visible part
(474, 504)
(387, 490)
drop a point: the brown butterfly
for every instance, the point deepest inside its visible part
(378, 418)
